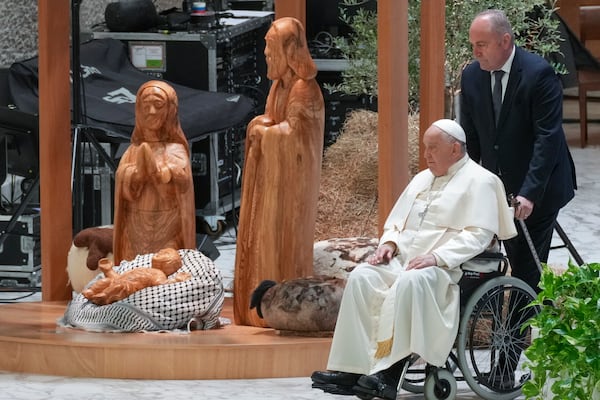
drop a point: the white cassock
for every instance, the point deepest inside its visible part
(388, 313)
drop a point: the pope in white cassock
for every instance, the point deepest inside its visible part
(405, 300)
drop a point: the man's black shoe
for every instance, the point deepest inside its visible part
(334, 389)
(370, 386)
(335, 382)
(335, 377)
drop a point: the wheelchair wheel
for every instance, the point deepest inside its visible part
(414, 380)
(443, 389)
(490, 340)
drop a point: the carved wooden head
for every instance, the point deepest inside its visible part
(156, 114)
(167, 260)
(287, 47)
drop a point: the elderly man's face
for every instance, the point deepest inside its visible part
(440, 152)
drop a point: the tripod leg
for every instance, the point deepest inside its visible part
(568, 244)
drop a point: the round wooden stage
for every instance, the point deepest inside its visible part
(32, 342)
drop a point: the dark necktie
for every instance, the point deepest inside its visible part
(497, 94)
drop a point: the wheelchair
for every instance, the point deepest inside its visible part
(488, 351)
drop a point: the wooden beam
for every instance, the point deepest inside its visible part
(392, 26)
(291, 8)
(432, 83)
(569, 11)
(55, 146)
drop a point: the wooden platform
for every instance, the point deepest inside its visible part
(32, 342)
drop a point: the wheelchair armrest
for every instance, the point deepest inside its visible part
(489, 255)
(494, 256)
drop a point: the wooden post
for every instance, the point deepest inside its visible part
(55, 146)
(291, 8)
(432, 84)
(392, 25)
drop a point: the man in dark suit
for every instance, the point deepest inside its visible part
(523, 141)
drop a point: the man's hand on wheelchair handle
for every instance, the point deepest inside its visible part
(524, 208)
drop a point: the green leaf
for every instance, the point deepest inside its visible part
(568, 346)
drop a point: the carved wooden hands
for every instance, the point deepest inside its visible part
(149, 166)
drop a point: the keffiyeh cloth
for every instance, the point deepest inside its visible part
(193, 304)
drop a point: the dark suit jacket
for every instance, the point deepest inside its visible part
(527, 149)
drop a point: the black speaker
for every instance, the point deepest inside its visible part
(130, 15)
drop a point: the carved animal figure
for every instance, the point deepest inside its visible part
(89, 246)
(299, 305)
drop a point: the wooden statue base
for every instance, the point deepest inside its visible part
(32, 342)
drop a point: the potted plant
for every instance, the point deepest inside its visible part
(565, 357)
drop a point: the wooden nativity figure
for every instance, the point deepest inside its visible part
(154, 192)
(282, 167)
(114, 286)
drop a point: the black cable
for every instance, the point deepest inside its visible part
(77, 116)
(233, 147)
(30, 292)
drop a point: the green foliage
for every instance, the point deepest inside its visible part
(532, 21)
(414, 52)
(567, 351)
(360, 50)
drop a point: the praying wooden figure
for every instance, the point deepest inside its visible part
(154, 191)
(282, 168)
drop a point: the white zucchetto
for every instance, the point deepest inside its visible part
(452, 128)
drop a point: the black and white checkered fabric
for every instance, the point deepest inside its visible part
(192, 304)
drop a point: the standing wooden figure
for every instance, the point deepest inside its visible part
(282, 168)
(154, 191)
